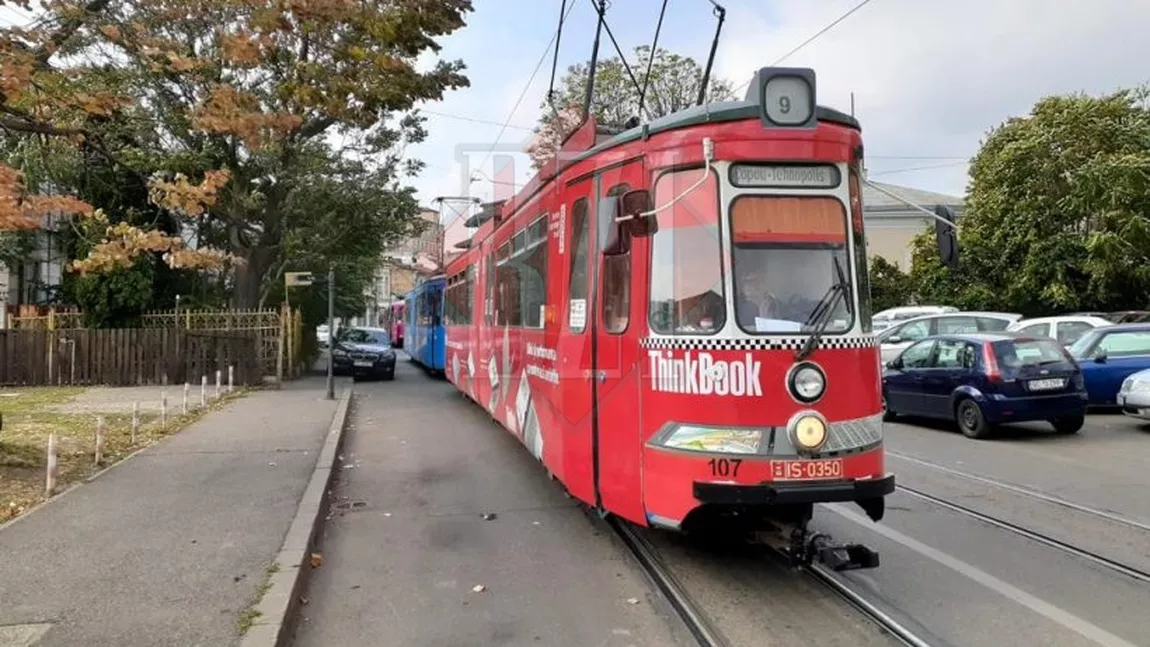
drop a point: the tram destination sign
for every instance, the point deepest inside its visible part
(791, 176)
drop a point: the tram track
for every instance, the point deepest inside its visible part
(1025, 491)
(695, 620)
(1041, 538)
(876, 615)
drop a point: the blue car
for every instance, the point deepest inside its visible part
(1110, 354)
(980, 380)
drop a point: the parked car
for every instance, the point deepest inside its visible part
(891, 316)
(322, 335)
(896, 339)
(1134, 395)
(980, 380)
(364, 352)
(1129, 316)
(1065, 328)
(1110, 354)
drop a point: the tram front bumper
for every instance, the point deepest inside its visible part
(868, 493)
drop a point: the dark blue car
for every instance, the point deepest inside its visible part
(981, 380)
(1110, 354)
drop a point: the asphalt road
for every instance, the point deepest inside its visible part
(402, 566)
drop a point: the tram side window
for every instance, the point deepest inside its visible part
(467, 305)
(531, 264)
(507, 275)
(489, 299)
(862, 269)
(616, 272)
(687, 294)
(577, 282)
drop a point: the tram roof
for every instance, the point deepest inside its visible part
(718, 112)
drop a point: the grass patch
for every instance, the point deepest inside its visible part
(251, 614)
(29, 417)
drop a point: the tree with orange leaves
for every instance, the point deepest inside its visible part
(224, 106)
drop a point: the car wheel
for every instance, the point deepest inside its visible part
(389, 375)
(1068, 424)
(887, 414)
(970, 419)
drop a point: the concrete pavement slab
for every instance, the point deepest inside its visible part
(171, 547)
(436, 500)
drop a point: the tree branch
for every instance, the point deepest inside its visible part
(67, 30)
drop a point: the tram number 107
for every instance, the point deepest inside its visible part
(725, 466)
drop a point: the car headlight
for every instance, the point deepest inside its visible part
(807, 431)
(806, 382)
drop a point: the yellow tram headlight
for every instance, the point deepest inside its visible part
(807, 431)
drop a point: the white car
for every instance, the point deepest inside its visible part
(891, 316)
(1065, 328)
(895, 339)
(322, 335)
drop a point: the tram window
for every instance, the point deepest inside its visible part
(862, 270)
(786, 253)
(507, 308)
(489, 300)
(577, 281)
(532, 270)
(616, 273)
(687, 295)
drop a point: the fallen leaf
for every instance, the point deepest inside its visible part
(316, 560)
(632, 600)
(479, 588)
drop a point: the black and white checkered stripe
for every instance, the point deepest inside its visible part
(758, 343)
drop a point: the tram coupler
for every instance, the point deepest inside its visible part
(807, 548)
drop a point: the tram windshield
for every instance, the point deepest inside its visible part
(784, 253)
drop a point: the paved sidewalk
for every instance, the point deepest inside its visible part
(172, 546)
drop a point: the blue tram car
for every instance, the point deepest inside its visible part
(425, 335)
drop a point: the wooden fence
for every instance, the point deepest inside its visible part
(125, 357)
(277, 332)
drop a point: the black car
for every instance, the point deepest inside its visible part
(364, 352)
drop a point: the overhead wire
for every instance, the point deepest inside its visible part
(812, 38)
(651, 57)
(526, 87)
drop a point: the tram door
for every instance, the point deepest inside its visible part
(616, 383)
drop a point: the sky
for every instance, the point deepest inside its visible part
(929, 78)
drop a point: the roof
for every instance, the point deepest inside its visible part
(999, 335)
(878, 201)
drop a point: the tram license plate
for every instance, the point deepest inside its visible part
(807, 470)
(1045, 385)
(364, 363)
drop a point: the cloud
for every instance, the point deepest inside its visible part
(930, 78)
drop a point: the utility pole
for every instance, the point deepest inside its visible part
(331, 331)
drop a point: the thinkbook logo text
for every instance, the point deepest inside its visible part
(702, 374)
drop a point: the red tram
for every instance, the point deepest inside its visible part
(675, 319)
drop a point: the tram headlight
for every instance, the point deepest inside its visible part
(807, 431)
(807, 383)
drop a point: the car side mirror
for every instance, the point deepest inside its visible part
(894, 339)
(894, 364)
(1100, 357)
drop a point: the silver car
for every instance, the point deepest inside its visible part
(894, 340)
(1134, 396)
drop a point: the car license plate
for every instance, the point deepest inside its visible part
(807, 470)
(1045, 385)
(364, 363)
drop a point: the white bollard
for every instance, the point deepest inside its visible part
(231, 378)
(50, 480)
(163, 409)
(186, 387)
(217, 383)
(135, 421)
(99, 439)
(203, 390)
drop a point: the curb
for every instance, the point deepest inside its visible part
(277, 609)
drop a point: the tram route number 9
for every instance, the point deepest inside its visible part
(788, 100)
(725, 466)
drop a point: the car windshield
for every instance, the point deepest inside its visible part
(1029, 352)
(361, 336)
(787, 253)
(1078, 349)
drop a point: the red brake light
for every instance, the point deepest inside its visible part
(992, 371)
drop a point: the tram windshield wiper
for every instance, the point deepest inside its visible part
(821, 315)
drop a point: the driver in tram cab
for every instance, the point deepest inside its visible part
(753, 294)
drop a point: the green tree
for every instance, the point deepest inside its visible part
(216, 106)
(890, 287)
(673, 86)
(1057, 213)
